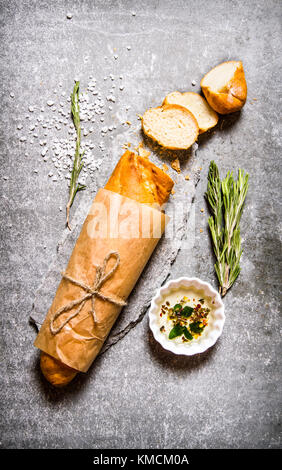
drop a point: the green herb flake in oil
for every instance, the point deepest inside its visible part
(177, 330)
(177, 308)
(187, 333)
(196, 328)
(187, 311)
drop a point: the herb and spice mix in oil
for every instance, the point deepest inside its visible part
(184, 315)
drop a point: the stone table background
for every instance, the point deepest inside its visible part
(136, 394)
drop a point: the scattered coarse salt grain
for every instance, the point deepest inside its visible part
(193, 82)
(12, 95)
(31, 109)
(69, 16)
(62, 149)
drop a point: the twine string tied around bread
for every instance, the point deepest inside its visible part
(92, 292)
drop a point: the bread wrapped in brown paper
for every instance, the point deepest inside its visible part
(142, 182)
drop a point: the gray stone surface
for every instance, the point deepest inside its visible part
(136, 394)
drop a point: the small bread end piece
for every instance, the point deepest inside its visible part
(225, 87)
(171, 126)
(57, 373)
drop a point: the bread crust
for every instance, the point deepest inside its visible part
(214, 115)
(232, 96)
(171, 107)
(139, 179)
(57, 373)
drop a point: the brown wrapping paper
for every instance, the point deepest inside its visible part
(114, 223)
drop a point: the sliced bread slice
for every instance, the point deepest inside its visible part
(225, 87)
(171, 126)
(197, 105)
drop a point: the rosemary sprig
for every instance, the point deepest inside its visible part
(226, 200)
(75, 186)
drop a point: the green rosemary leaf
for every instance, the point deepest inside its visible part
(75, 186)
(226, 201)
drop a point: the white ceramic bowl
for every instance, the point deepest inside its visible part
(216, 317)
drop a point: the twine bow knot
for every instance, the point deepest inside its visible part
(92, 292)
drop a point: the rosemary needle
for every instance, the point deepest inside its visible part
(226, 200)
(75, 186)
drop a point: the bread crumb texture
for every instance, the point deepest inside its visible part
(171, 126)
(175, 165)
(197, 105)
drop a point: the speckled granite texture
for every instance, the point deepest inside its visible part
(136, 394)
